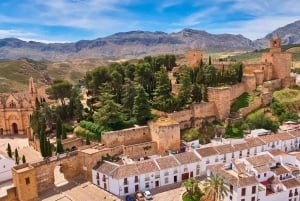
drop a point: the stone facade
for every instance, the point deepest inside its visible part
(15, 110)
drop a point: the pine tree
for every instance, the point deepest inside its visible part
(17, 156)
(9, 153)
(23, 159)
(184, 95)
(141, 106)
(162, 92)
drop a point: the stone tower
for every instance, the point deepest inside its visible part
(25, 180)
(194, 57)
(281, 62)
(275, 45)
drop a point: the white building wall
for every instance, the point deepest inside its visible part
(5, 168)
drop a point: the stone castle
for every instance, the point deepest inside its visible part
(160, 136)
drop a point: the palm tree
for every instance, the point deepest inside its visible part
(215, 188)
(191, 186)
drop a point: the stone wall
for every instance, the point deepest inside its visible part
(88, 158)
(204, 110)
(126, 137)
(250, 82)
(166, 133)
(45, 169)
(221, 97)
(259, 76)
(140, 150)
(252, 106)
(194, 57)
(11, 195)
(272, 85)
(288, 82)
(236, 90)
(72, 143)
(266, 98)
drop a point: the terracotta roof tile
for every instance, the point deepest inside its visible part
(226, 148)
(146, 166)
(105, 167)
(278, 170)
(260, 160)
(291, 183)
(167, 162)
(295, 133)
(284, 136)
(207, 151)
(125, 171)
(241, 146)
(254, 141)
(269, 138)
(187, 157)
(277, 152)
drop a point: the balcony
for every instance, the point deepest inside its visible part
(125, 182)
(147, 178)
(157, 176)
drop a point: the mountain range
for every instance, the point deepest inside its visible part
(133, 44)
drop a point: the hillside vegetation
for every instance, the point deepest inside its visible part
(289, 98)
(15, 73)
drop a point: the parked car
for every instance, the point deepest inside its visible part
(139, 196)
(129, 198)
(148, 195)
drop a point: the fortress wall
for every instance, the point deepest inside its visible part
(126, 137)
(236, 90)
(219, 95)
(272, 85)
(140, 150)
(253, 106)
(204, 110)
(259, 76)
(72, 142)
(288, 82)
(182, 117)
(249, 68)
(250, 82)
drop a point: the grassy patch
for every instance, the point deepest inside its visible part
(186, 197)
(190, 134)
(242, 101)
(289, 98)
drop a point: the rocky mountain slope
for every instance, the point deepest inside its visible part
(134, 44)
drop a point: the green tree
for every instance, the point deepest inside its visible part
(87, 140)
(192, 188)
(110, 114)
(64, 132)
(59, 90)
(43, 139)
(196, 94)
(23, 159)
(209, 60)
(58, 128)
(162, 93)
(59, 147)
(215, 188)
(184, 95)
(260, 120)
(9, 153)
(129, 93)
(48, 148)
(141, 106)
(17, 156)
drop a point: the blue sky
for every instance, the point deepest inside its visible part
(73, 20)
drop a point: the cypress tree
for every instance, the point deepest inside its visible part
(209, 60)
(42, 138)
(58, 127)
(59, 147)
(63, 133)
(87, 140)
(23, 159)
(9, 153)
(17, 156)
